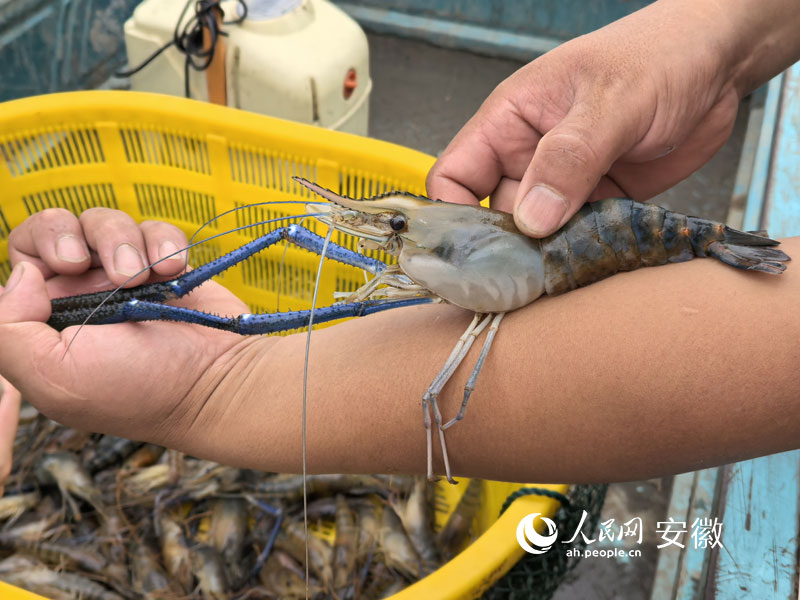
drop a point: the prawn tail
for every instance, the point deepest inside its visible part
(749, 250)
(753, 251)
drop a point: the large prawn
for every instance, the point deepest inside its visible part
(470, 256)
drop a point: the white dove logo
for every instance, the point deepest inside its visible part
(541, 543)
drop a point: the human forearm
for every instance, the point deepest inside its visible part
(658, 371)
(744, 42)
(763, 38)
(628, 110)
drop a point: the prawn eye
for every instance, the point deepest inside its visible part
(397, 223)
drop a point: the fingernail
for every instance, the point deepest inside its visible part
(70, 248)
(127, 260)
(14, 278)
(167, 248)
(541, 210)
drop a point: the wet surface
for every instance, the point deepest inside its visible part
(422, 96)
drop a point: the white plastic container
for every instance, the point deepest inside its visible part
(303, 60)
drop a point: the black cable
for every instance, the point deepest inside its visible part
(189, 40)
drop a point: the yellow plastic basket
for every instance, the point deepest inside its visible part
(182, 161)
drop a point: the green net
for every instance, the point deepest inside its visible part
(536, 576)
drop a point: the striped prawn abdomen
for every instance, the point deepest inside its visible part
(613, 235)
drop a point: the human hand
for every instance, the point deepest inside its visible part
(628, 110)
(138, 380)
(9, 416)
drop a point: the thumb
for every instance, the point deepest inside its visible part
(10, 400)
(24, 306)
(24, 297)
(566, 167)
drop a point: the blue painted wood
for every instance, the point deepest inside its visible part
(691, 578)
(681, 573)
(476, 38)
(781, 213)
(744, 171)
(670, 560)
(559, 20)
(763, 158)
(760, 501)
(760, 512)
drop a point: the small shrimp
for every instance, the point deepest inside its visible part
(290, 487)
(368, 528)
(108, 451)
(12, 506)
(55, 552)
(209, 569)
(383, 582)
(344, 551)
(292, 539)
(42, 580)
(227, 533)
(398, 551)
(285, 578)
(454, 533)
(147, 578)
(64, 469)
(175, 552)
(416, 514)
(145, 480)
(144, 455)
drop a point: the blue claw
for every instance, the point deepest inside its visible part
(144, 303)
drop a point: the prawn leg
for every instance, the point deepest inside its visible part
(430, 398)
(470, 387)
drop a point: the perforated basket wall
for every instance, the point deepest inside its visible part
(160, 157)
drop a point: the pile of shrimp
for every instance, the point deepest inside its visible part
(104, 518)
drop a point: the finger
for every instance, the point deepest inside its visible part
(24, 297)
(495, 142)
(453, 179)
(10, 400)
(567, 166)
(119, 243)
(31, 352)
(52, 240)
(504, 194)
(24, 308)
(164, 242)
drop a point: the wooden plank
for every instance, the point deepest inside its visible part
(744, 171)
(760, 512)
(760, 501)
(760, 176)
(681, 572)
(697, 556)
(450, 34)
(781, 213)
(669, 562)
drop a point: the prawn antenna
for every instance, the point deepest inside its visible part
(305, 392)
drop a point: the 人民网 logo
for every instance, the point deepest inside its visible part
(539, 544)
